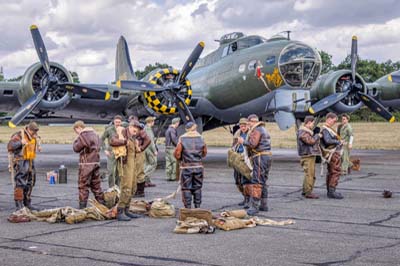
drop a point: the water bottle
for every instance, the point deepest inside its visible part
(52, 180)
(62, 174)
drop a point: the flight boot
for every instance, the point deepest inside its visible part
(264, 205)
(254, 205)
(121, 216)
(82, 205)
(197, 198)
(264, 197)
(187, 199)
(131, 214)
(140, 190)
(332, 194)
(246, 202)
(19, 205)
(28, 204)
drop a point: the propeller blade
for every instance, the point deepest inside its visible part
(327, 102)
(376, 106)
(137, 85)
(191, 61)
(27, 108)
(353, 58)
(394, 78)
(88, 90)
(40, 48)
(183, 109)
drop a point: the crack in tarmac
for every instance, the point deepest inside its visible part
(354, 256)
(149, 257)
(392, 216)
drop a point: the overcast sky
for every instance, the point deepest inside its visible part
(82, 35)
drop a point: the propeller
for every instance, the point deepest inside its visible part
(172, 87)
(137, 85)
(355, 88)
(52, 80)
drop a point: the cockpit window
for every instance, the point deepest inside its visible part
(299, 65)
(249, 42)
(242, 44)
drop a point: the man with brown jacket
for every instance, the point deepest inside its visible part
(331, 146)
(87, 144)
(258, 145)
(190, 150)
(23, 146)
(307, 147)
(135, 144)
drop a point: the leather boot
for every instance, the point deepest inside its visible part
(197, 198)
(121, 216)
(140, 190)
(131, 214)
(18, 205)
(242, 203)
(187, 199)
(28, 204)
(253, 210)
(264, 205)
(82, 205)
(332, 194)
(246, 202)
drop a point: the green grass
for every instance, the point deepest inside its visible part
(377, 135)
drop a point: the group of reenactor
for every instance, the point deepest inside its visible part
(331, 144)
(132, 158)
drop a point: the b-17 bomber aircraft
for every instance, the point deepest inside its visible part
(278, 79)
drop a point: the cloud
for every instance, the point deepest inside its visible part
(82, 35)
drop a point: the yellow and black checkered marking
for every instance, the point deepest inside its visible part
(153, 100)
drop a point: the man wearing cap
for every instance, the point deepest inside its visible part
(190, 150)
(150, 153)
(258, 145)
(112, 169)
(143, 141)
(171, 140)
(128, 181)
(23, 145)
(87, 144)
(307, 147)
(331, 148)
(346, 134)
(240, 180)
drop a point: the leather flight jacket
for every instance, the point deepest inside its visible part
(259, 141)
(307, 142)
(330, 139)
(171, 137)
(87, 144)
(191, 149)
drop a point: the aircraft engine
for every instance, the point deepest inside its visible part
(35, 78)
(164, 102)
(337, 82)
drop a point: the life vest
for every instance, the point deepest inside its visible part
(29, 149)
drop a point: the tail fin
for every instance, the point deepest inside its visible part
(123, 65)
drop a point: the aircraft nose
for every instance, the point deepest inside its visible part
(299, 64)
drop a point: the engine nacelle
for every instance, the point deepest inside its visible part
(35, 78)
(339, 81)
(164, 102)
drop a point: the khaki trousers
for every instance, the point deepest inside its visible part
(308, 164)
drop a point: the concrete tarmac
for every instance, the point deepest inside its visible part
(361, 229)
